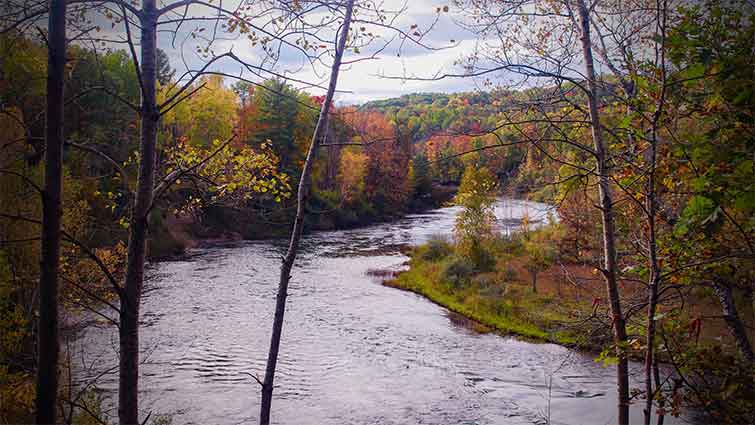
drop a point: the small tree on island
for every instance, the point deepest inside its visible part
(475, 223)
(540, 256)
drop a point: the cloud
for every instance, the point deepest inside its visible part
(363, 80)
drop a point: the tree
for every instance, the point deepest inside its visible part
(444, 152)
(351, 174)
(540, 257)
(420, 177)
(386, 182)
(474, 224)
(49, 345)
(717, 166)
(610, 269)
(278, 113)
(164, 72)
(209, 114)
(296, 232)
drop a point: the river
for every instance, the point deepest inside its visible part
(353, 350)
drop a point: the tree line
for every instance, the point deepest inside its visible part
(636, 122)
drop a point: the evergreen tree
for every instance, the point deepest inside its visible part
(164, 72)
(283, 118)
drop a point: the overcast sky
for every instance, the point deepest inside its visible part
(444, 45)
(362, 81)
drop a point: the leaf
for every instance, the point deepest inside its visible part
(694, 71)
(745, 201)
(626, 121)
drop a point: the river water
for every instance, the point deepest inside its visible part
(353, 351)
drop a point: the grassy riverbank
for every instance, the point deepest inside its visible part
(503, 296)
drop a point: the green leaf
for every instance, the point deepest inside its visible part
(745, 201)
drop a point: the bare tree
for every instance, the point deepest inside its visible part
(296, 232)
(49, 344)
(610, 270)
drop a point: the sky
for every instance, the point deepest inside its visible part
(444, 44)
(364, 80)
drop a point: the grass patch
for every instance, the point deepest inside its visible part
(500, 298)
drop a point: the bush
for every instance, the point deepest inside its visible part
(438, 248)
(458, 272)
(482, 259)
(485, 280)
(490, 285)
(507, 245)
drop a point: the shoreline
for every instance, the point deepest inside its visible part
(482, 324)
(183, 235)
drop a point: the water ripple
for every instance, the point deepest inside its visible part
(353, 351)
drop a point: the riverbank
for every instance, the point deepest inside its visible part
(504, 297)
(558, 301)
(360, 352)
(173, 235)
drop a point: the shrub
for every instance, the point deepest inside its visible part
(457, 272)
(510, 245)
(485, 280)
(490, 285)
(438, 248)
(482, 259)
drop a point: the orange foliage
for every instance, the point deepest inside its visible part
(386, 181)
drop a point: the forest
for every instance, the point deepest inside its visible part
(142, 135)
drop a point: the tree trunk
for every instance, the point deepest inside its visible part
(128, 390)
(607, 216)
(48, 345)
(733, 321)
(650, 337)
(333, 158)
(655, 270)
(296, 232)
(658, 383)
(651, 205)
(534, 282)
